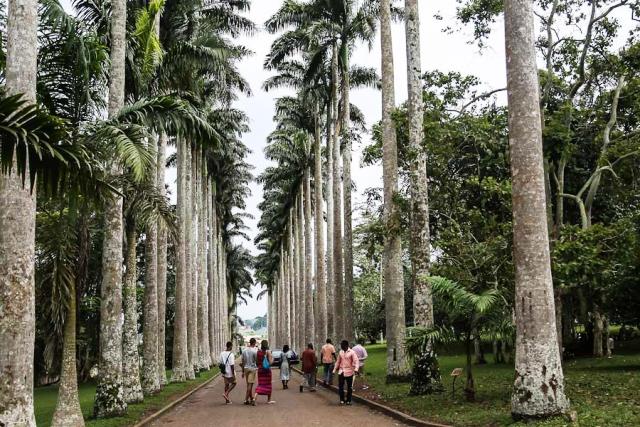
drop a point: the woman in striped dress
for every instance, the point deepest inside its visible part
(265, 360)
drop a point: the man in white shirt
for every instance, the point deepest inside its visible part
(228, 360)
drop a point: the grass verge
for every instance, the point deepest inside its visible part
(45, 399)
(603, 392)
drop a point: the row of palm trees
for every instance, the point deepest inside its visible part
(171, 80)
(312, 57)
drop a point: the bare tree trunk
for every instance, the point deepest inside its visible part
(321, 284)
(68, 412)
(192, 266)
(309, 326)
(294, 274)
(331, 290)
(110, 397)
(17, 239)
(301, 290)
(180, 355)
(338, 282)
(397, 366)
(131, 358)
(598, 329)
(539, 382)
(162, 267)
(150, 379)
(347, 302)
(422, 298)
(204, 362)
(212, 271)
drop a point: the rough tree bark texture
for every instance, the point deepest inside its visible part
(422, 298)
(162, 266)
(309, 331)
(17, 236)
(130, 357)
(68, 412)
(109, 399)
(180, 355)
(394, 288)
(338, 282)
(539, 382)
(150, 379)
(347, 302)
(204, 353)
(321, 283)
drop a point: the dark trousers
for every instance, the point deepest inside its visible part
(349, 380)
(328, 372)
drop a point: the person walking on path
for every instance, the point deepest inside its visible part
(309, 367)
(328, 355)
(265, 360)
(227, 359)
(285, 368)
(249, 368)
(362, 357)
(347, 366)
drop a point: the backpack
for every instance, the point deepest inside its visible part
(293, 359)
(223, 366)
(265, 361)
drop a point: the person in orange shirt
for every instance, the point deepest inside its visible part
(347, 366)
(328, 356)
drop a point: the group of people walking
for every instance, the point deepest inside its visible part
(256, 366)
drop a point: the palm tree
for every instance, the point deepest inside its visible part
(394, 286)
(420, 244)
(110, 399)
(539, 383)
(17, 240)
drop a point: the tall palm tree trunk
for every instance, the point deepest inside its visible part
(213, 344)
(192, 274)
(338, 283)
(294, 274)
(321, 284)
(539, 383)
(309, 325)
(180, 355)
(346, 190)
(150, 379)
(331, 314)
(131, 359)
(162, 266)
(394, 287)
(302, 290)
(68, 412)
(17, 239)
(422, 298)
(203, 300)
(109, 399)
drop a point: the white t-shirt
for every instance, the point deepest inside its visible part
(229, 361)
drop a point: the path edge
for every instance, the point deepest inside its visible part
(174, 403)
(387, 410)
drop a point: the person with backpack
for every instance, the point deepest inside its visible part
(265, 360)
(227, 367)
(347, 367)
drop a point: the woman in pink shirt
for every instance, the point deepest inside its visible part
(346, 366)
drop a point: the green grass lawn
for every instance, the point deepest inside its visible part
(603, 392)
(46, 397)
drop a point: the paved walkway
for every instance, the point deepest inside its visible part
(292, 408)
